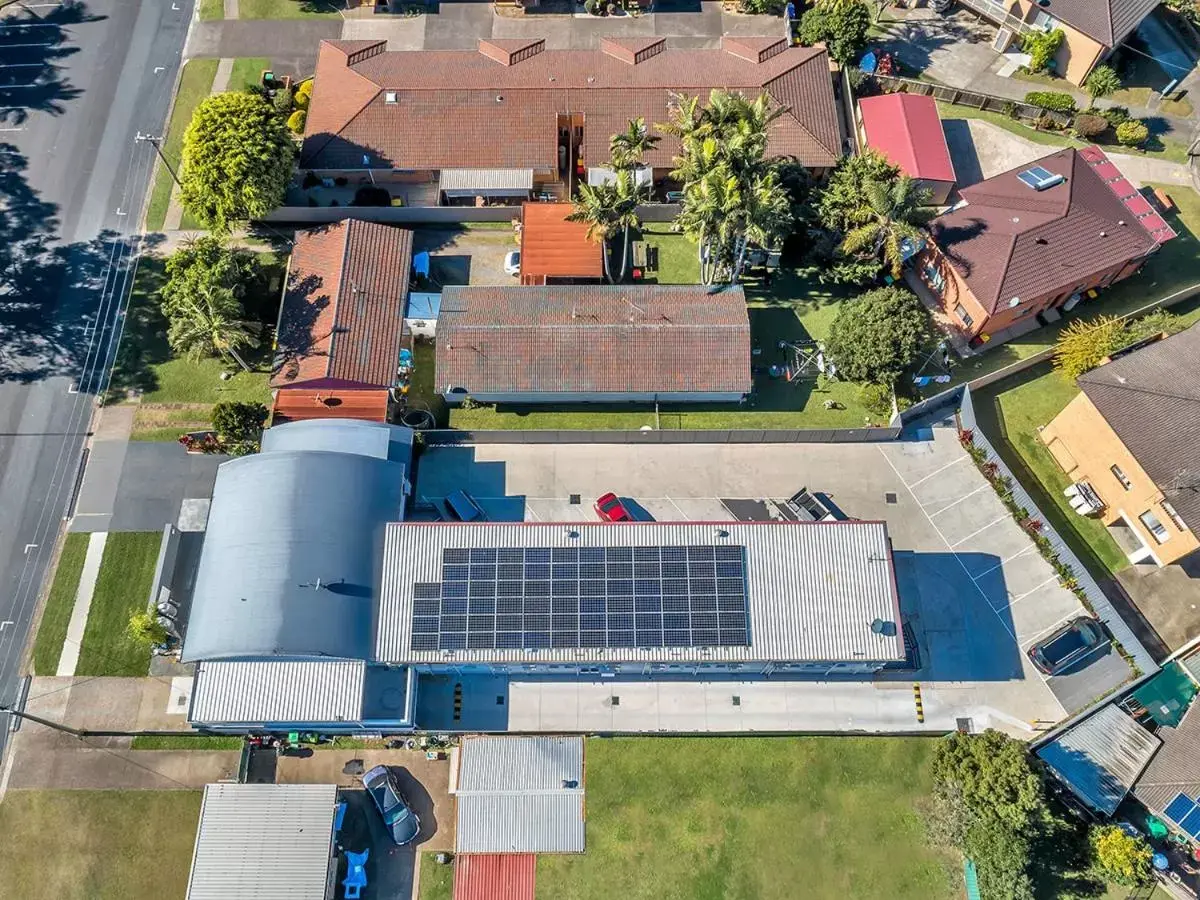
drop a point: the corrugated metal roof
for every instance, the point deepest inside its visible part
(813, 588)
(470, 180)
(520, 795)
(907, 130)
(1100, 758)
(264, 841)
(495, 876)
(260, 692)
(1175, 769)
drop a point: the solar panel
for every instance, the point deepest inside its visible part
(1191, 823)
(565, 597)
(1179, 807)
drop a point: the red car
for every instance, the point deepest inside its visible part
(610, 508)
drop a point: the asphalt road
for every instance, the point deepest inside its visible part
(78, 82)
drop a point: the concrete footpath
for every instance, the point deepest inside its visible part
(69, 658)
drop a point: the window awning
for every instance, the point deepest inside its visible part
(605, 175)
(486, 182)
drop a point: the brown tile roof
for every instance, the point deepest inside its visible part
(1108, 21)
(434, 109)
(1151, 399)
(550, 245)
(1010, 240)
(343, 307)
(591, 338)
(299, 404)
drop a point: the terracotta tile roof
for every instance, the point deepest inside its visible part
(1108, 21)
(494, 876)
(550, 245)
(591, 338)
(343, 307)
(299, 404)
(433, 109)
(1151, 399)
(1010, 240)
(907, 130)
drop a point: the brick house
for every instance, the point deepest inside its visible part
(1132, 436)
(1023, 244)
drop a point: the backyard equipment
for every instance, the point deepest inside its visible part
(804, 359)
(936, 366)
(356, 873)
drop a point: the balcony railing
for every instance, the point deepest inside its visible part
(998, 13)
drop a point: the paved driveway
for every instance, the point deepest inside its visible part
(971, 582)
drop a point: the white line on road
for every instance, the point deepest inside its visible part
(992, 569)
(29, 547)
(1006, 515)
(14, 46)
(959, 500)
(930, 475)
(1049, 580)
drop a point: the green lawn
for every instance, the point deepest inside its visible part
(59, 604)
(97, 845)
(437, 881)
(762, 818)
(122, 589)
(1175, 267)
(421, 391)
(287, 9)
(186, 742)
(247, 72)
(211, 10)
(194, 85)
(144, 362)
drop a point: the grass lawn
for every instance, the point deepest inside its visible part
(1174, 267)
(97, 845)
(211, 10)
(247, 72)
(145, 365)
(421, 392)
(122, 589)
(53, 629)
(166, 422)
(288, 9)
(763, 818)
(185, 742)
(194, 85)
(437, 881)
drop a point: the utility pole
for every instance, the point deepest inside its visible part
(155, 142)
(66, 729)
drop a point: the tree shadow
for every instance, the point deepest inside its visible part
(32, 46)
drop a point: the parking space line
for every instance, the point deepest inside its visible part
(958, 501)
(926, 477)
(1067, 618)
(1052, 578)
(1003, 561)
(1006, 515)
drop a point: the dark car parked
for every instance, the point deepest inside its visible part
(397, 812)
(1068, 645)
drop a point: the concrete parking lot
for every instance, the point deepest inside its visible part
(973, 587)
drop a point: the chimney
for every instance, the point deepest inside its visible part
(754, 49)
(510, 51)
(633, 50)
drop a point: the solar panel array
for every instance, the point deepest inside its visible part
(535, 598)
(1040, 178)
(1185, 812)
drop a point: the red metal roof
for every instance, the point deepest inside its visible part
(550, 245)
(907, 130)
(494, 876)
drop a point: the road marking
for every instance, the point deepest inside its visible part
(1006, 515)
(1002, 562)
(19, 128)
(1038, 588)
(6, 623)
(158, 69)
(29, 547)
(36, 65)
(958, 501)
(14, 46)
(930, 475)
(917, 701)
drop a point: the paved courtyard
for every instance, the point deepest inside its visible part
(972, 584)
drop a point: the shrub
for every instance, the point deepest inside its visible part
(301, 101)
(1009, 109)
(239, 422)
(1120, 858)
(1083, 344)
(296, 121)
(145, 629)
(1158, 322)
(1045, 123)
(1089, 126)
(843, 29)
(1041, 47)
(1102, 82)
(1055, 101)
(1115, 115)
(304, 89)
(1133, 133)
(876, 399)
(282, 100)
(761, 7)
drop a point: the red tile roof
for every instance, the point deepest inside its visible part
(594, 339)
(494, 876)
(435, 109)
(907, 130)
(550, 245)
(343, 308)
(299, 404)
(1010, 240)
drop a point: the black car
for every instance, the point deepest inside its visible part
(1068, 645)
(398, 814)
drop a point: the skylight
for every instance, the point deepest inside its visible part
(1039, 179)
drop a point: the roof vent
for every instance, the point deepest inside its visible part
(754, 49)
(510, 51)
(1104, 234)
(1041, 241)
(1015, 301)
(632, 50)
(389, 97)
(1040, 178)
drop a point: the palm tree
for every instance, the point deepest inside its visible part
(1101, 83)
(209, 322)
(631, 145)
(597, 205)
(892, 213)
(765, 215)
(628, 195)
(709, 207)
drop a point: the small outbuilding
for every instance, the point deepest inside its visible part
(907, 130)
(555, 250)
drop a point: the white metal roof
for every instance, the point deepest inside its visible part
(264, 842)
(520, 795)
(813, 589)
(260, 692)
(485, 181)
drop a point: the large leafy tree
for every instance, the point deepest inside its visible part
(598, 207)
(629, 147)
(237, 160)
(891, 213)
(1084, 343)
(841, 26)
(627, 151)
(876, 337)
(1120, 858)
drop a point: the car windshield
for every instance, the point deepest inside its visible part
(610, 504)
(1064, 645)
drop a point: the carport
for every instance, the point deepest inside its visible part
(460, 184)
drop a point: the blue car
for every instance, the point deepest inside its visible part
(398, 815)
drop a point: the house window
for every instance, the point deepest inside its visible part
(1045, 22)
(961, 312)
(1156, 528)
(1121, 477)
(1174, 516)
